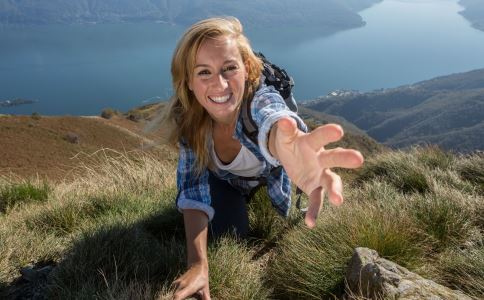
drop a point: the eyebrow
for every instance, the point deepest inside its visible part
(208, 66)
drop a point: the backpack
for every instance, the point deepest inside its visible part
(281, 81)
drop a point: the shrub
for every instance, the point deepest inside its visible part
(36, 116)
(72, 137)
(108, 113)
(135, 116)
(17, 193)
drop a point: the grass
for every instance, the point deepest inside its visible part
(114, 232)
(15, 194)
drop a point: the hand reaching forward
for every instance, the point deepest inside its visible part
(308, 164)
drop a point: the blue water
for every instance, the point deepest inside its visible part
(81, 69)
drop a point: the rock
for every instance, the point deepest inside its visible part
(374, 277)
(31, 284)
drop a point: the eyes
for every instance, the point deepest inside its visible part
(227, 71)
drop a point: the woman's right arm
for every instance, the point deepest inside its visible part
(194, 202)
(195, 279)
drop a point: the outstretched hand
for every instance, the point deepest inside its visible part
(308, 164)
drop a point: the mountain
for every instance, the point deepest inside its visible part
(447, 111)
(474, 12)
(329, 15)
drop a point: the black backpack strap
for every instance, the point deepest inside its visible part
(249, 126)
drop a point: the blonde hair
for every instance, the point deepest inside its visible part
(185, 118)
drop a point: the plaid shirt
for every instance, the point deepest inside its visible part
(194, 191)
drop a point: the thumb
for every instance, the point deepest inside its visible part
(287, 127)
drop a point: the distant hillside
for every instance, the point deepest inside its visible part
(448, 111)
(326, 14)
(474, 12)
(46, 146)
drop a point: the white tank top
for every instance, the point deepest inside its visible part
(245, 163)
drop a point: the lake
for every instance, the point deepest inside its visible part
(81, 69)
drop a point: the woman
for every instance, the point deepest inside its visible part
(214, 71)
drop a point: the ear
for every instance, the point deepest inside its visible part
(189, 83)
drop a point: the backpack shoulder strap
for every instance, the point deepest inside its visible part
(249, 127)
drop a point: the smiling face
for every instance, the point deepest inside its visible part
(218, 78)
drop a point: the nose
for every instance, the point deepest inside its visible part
(220, 82)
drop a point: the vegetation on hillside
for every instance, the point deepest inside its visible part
(114, 233)
(474, 12)
(446, 111)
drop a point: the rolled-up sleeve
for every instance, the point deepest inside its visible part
(193, 189)
(268, 107)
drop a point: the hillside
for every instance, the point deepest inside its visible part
(474, 12)
(329, 15)
(447, 111)
(52, 146)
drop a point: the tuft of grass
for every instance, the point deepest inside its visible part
(233, 274)
(472, 169)
(463, 269)
(434, 158)
(444, 217)
(111, 172)
(264, 222)
(15, 194)
(408, 176)
(65, 219)
(105, 261)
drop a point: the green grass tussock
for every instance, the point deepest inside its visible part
(233, 273)
(66, 218)
(104, 261)
(463, 269)
(404, 172)
(14, 194)
(472, 170)
(445, 217)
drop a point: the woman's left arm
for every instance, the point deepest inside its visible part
(308, 163)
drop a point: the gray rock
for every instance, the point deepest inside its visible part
(374, 277)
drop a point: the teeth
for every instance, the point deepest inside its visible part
(220, 99)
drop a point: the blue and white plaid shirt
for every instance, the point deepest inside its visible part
(194, 191)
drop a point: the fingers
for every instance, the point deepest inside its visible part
(333, 186)
(341, 158)
(206, 294)
(324, 135)
(185, 289)
(315, 200)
